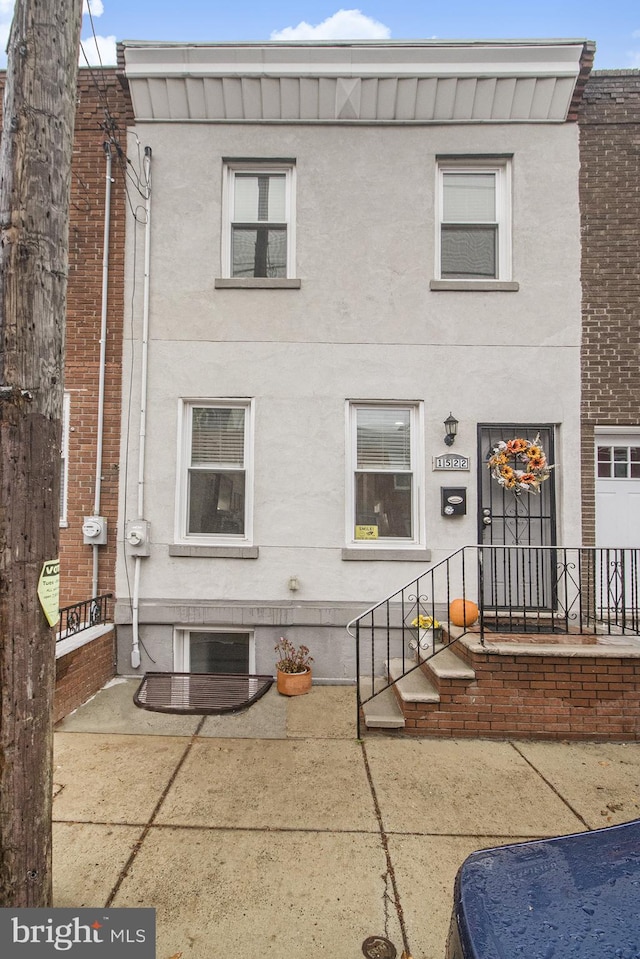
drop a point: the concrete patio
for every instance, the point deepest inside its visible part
(274, 832)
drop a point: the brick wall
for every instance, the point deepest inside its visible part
(577, 697)
(103, 111)
(609, 122)
(81, 673)
(102, 102)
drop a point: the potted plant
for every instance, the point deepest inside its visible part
(429, 633)
(293, 668)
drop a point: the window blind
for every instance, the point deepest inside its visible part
(217, 437)
(383, 439)
(469, 198)
(260, 198)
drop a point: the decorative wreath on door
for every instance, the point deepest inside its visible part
(519, 465)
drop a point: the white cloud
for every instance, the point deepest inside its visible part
(6, 16)
(95, 6)
(634, 55)
(98, 50)
(343, 25)
(105, 45)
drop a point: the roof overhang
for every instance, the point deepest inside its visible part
(371, 82)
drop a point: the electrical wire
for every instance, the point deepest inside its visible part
(110, 125)
(95, 40)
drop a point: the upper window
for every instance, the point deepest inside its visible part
(216, 480)
(258, 221)
(474, 234)
(385, 473)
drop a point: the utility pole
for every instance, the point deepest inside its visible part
(35, 173)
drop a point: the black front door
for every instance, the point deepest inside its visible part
(516, 578)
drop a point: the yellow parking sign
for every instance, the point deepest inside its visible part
(49, 590)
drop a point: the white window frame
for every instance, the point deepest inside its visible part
(501, 168)
(417, 454)
(186, 407)
(64, 459)
(181, 647)
(258, 167)
(625, 437)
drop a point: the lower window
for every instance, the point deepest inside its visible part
(215, 490)
(214, 651)
(385, 462)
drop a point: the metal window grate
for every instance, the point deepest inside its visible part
(199, 692)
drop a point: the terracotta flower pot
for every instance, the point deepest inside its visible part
(462, 612)
(293, 684)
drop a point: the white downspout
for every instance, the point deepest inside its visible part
(103, 359)
(135, 646)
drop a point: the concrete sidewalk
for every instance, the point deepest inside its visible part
(274, 832)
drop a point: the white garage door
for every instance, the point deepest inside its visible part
(618, 528)
(618, 489)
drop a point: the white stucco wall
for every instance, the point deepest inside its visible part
(363, 325)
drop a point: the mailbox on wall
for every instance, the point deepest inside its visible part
(453, 500)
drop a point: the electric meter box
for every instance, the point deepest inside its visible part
(94, 531)
(137, 537)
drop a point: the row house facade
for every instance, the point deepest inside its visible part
(351, 269)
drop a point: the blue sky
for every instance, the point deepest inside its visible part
(614, 25)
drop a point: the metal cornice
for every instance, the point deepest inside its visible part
(416, 82)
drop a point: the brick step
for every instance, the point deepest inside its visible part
(386, 710)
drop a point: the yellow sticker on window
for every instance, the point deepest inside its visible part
(366, 532)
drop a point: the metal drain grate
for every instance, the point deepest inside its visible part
(199, 692)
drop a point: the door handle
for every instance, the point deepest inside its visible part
(486, 521)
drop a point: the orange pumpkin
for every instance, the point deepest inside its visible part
(462, 612)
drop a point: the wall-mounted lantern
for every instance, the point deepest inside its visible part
(451, 429)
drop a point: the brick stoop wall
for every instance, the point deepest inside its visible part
(589, 693)
(83, 671)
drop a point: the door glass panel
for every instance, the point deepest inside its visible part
(618, 462)
(604, 461)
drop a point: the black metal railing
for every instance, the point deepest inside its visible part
(518, 589)
(80, 616)
(391, 629)
(557, 589)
